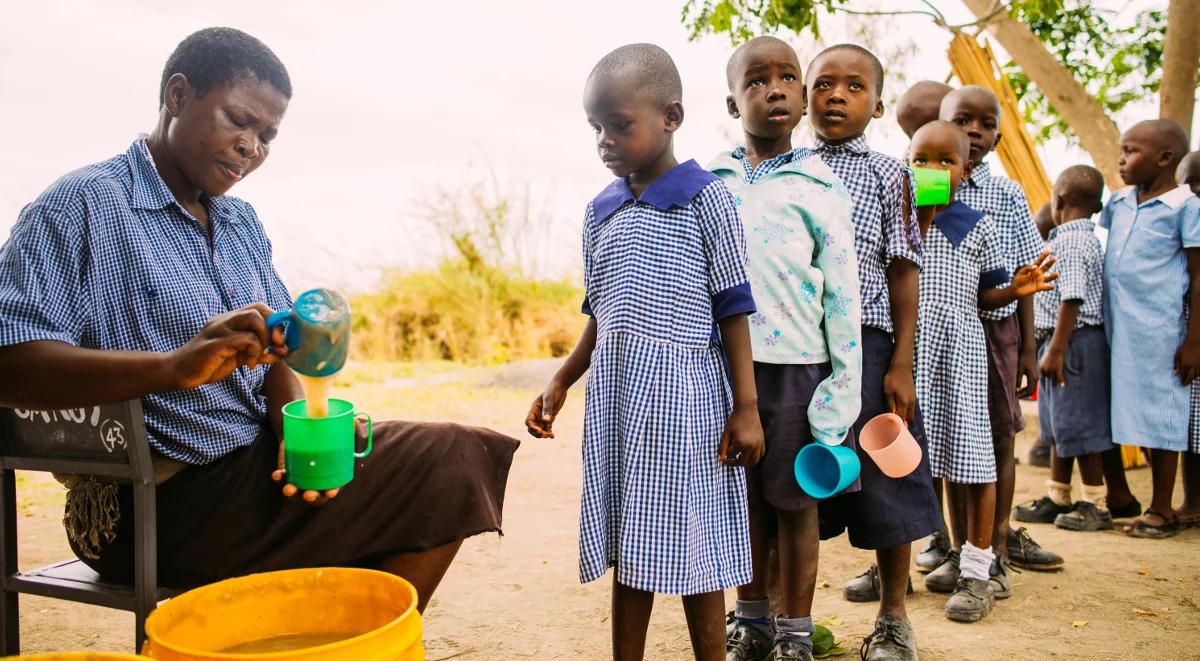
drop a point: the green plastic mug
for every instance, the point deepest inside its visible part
(933, 186)
(318, 453)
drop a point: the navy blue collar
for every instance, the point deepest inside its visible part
(956, 221)
(675, 188)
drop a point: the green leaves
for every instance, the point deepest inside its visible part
(742, 19)
(1116, 63)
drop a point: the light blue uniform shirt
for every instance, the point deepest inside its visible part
(106, 258)
(1145, 282)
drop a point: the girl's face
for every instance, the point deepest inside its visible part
(632, 130)
(939, 146)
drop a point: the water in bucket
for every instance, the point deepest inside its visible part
(287, 643)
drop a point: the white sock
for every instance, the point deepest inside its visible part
(976, 562)
(1096, 495)
(1059, 492)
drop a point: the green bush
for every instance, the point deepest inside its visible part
(466, 312)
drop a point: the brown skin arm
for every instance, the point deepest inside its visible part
(1027, 281)
(742, 440)
(545, 407)
(1187, 358)
(1027, 365)
(48, 374)
(898, 388)
(1053, 365)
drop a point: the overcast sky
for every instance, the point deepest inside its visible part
(393, 102)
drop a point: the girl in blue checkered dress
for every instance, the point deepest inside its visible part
(664, 434)
(962, 273)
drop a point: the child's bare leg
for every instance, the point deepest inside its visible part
(981, 514)
(705, 613)
(956, 507)
(760, 537)
(799, 541)
(937, 489)
(1091, 470)
(893, 580)
(1119, 494)
(1061, 467)
(1163, 464)
(630, 618)
(1006, 484)
(1191, 484)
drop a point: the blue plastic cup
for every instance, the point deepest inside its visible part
(824, 470)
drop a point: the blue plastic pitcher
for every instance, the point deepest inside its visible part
(316, 332)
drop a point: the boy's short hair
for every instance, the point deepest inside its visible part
(964, 141)
(967, 90)
(653, 66)
(735, 61)
(1082, 186)
(876, 65)
(218, 56)
(1170, 135)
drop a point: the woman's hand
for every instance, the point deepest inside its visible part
(315, 498)
(742, 441)
(545, 407)
(227, 342)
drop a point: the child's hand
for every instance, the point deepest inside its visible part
(1031, 278)
(1187, 362)
(544, 409)
(1054, 367)
(742, 440)
(900, 392)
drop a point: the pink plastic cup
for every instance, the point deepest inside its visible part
(888, 443)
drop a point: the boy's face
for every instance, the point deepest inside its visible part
(940, 147)
(632, 131)
(978, 113)
(1188, 173)
(843, 95)
(218, 139)
(768, 94)
(1142, 156)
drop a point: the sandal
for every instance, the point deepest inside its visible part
(1187, 521)
(1144, 529)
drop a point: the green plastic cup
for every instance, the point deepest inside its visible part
(933, 186)
(318, 453)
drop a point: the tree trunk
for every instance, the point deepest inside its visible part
(1097, 134)
(1181, 57)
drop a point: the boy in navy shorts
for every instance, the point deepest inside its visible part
(1073, 412)
(887, 515)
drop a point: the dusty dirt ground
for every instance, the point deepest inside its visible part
(518, 596)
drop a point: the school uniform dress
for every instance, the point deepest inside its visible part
(660, 272)
(886, 512)
(1145, 282)
(1003, 200)
(107, 259)
(806, 334)
(1075, 417)
(962, 258)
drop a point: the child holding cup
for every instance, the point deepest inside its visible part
(806, 335)
(963, 273)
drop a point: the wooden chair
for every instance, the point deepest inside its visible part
(107, 441)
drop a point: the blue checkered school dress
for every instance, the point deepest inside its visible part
(962, 257)
(658, 272)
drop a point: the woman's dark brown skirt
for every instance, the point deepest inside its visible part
(424, 485)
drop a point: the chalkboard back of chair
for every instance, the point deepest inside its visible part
(107, 434)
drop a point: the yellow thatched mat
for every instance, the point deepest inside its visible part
(974, 64)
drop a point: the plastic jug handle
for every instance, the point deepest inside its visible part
(277, 319)
(370, 432)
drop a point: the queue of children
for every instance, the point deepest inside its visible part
(786, 295)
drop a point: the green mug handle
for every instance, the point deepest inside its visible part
(370, 430)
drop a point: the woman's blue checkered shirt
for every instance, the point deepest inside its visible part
(107, 259)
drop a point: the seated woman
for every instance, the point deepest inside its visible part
(139, 278)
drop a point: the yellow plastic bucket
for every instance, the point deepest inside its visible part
(80, 656)
(374, 614)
